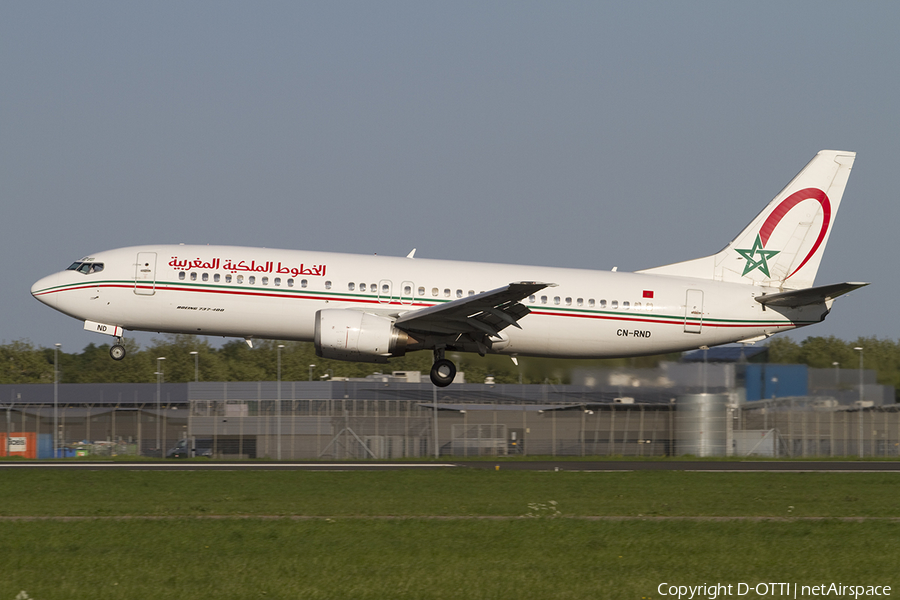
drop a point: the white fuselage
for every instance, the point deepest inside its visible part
(275, 294)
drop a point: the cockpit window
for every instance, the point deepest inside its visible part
(86, 267)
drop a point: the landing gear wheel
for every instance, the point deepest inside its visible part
(442, 372)
(117, 352)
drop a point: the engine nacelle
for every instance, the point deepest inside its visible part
(345, 334)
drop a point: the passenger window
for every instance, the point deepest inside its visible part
(649, 306)
(626, 305)
(591, 303)
(193, 277)
(216, 277)
(362, 287)
(531, 298)
(580, 302)
(614, 304)
(435, 292)
(407, 290)
(421, 291)
(351, 286)
(637, 306)
(373, 288)
(277, 281)
(240, 279)
(290, 282)
(205, 277)
(556, 300)
(385, 289)
(303, 283)
(543, 299)
(471, 292)
(446, 292)
(568, 301)
(459, 293)
(265, 281)
(327, 285)
(251, 279)
(603, 304)
(228, 279)
(181, 275)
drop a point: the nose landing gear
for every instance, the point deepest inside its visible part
(443, 371)
(117, 351)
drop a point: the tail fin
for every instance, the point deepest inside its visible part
(783, 245)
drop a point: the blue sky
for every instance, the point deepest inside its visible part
(574, 134)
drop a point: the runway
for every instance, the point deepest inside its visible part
(502, 465)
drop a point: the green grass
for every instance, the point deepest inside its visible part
(347, 552)
(534, 559)
(447, 492)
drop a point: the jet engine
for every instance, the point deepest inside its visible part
(354, 335)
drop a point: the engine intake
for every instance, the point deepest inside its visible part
(353, 335)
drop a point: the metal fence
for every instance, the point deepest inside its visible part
(137, 430)
(820, 427)
(341, 429)
(396, 428)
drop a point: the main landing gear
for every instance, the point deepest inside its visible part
(117, 351)
(443, 371)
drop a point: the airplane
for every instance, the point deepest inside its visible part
(370, 308)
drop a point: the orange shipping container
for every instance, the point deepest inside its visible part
(23, 444)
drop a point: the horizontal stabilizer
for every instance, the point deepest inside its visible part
(813, 295)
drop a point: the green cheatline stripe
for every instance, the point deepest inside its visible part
(672, 319)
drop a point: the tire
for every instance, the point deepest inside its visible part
(442, 372)
(117, 352)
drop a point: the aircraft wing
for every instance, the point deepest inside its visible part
(485, 313)
(813, 295)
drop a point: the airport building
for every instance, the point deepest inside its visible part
(687, 408)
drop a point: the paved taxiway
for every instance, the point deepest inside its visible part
(542, 465)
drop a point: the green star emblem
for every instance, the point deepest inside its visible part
(763, 254)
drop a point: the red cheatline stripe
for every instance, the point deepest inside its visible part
(670, 321)
(302, 296)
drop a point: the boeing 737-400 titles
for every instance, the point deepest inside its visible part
(371, 308)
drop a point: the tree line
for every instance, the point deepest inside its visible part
(23, 362)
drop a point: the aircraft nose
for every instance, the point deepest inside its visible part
(44, 289)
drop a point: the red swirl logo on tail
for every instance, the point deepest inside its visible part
(772, 221)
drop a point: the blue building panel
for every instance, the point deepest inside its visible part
(776, 381)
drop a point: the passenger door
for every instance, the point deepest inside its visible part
(693, 311)
(145, 274)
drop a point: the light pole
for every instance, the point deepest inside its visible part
(159, 374)
(861, 395)
(434, 424)
(196, 366)
(56, 399)
(311, 367)
(278, 404)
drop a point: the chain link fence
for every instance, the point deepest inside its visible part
(392, 427)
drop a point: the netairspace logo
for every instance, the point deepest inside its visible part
(778, 589)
